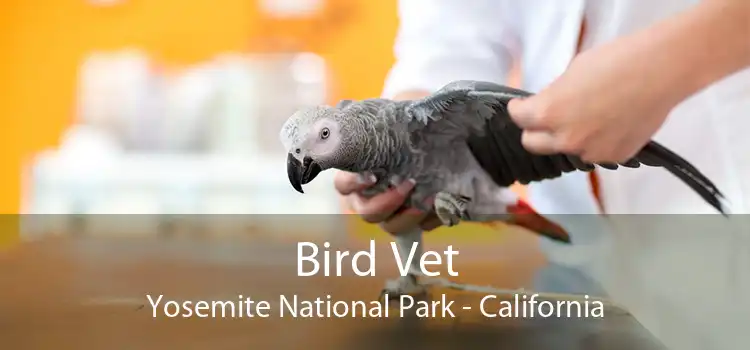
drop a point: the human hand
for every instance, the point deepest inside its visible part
(386, 208)
(605, 107)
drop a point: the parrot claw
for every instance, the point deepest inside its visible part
(366, 177)
(452, 208)
(408, 285)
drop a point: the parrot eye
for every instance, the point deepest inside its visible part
(297, 151)
(325, 133)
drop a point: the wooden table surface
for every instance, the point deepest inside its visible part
(89, 292)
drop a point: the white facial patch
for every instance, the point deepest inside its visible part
(303, 131)
(288, 133)
(293, 130)
(319, 146)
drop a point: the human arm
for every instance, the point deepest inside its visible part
(438, 41)
(613, 98)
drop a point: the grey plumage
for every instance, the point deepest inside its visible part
(459, 144)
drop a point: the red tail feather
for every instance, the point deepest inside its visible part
(522, 214)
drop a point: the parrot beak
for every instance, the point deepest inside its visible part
(301, 173)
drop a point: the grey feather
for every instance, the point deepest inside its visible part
(477, 113)
(344, 103)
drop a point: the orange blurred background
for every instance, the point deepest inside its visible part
(44, 43)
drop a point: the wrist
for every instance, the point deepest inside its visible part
(700, 46)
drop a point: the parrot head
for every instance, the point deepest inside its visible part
(315, 142)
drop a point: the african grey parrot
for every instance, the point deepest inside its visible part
(461, 147)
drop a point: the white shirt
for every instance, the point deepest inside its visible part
(444, 40)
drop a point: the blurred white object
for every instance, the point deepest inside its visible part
(92, 152)
(232, 105)
(236, 115)
(202, 140)
(118, 91)
(125, 183)
(84, 142)
(188, 106)
(309, 71)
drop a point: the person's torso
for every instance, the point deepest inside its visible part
(675, 260)
(707, 129)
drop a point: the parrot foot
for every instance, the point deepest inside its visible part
(407, 285)
(452, 208)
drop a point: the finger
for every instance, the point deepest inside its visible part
(431, 222)
(539, 142)
(380, 207)
(346, 204)
(347, 183)
(604, 148)
(525, 113)
(404, 221)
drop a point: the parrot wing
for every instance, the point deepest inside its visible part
(476, 112)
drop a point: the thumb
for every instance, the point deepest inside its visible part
(522, 111)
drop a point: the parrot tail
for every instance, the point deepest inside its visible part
(523, 215)
(658, 155)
